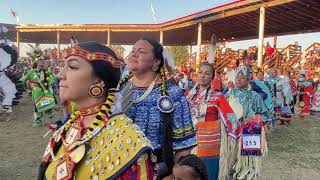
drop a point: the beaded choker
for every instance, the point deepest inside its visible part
(97, 124)
(90, 110)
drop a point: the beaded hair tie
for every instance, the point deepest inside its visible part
(91, 56)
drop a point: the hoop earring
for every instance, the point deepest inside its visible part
(155, 68)
(96, 90)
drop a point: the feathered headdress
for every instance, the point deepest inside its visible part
(36, 53)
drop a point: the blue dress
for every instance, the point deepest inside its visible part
(251, 102)
(149, 118)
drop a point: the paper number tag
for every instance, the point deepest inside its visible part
(251, 141)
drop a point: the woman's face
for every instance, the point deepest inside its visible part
(141, 59)
(75, 79)
(273, 73)
(205, 75)
(241, 81)
(260, 76)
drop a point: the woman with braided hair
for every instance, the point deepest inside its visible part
(97, 142)
(158, 107)
(211, 112)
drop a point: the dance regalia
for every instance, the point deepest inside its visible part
(10, 89)
(263, 89)
(316, 99)
(117, 151)
(240, 160)
(210, 112)
(148, 117)
(304, 100)
(41, 82)
(282, 98)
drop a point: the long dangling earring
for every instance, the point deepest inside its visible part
(155, 68)
(96, 90)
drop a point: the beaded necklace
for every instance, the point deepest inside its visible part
(146, 93)
(94, 128)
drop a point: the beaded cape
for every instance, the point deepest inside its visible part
(111, 152)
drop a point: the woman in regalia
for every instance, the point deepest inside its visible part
(210, 112)
(241, 158)
(305, 92)
(282, 97)
(158, 107)
(316, 98)
(97, 142)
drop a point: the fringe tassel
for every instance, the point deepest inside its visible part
(235, 166)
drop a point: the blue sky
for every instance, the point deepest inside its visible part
(100, 11)
(121, 12)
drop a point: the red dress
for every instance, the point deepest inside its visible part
(308, 89)
(209, 109)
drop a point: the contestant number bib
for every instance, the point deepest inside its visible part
(251, 141)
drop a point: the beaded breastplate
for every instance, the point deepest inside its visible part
(117, 146)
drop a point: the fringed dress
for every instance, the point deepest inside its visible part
(210, 112)
(241, 158)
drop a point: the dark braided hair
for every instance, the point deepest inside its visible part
(198, 166)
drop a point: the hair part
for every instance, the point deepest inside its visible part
(198, 166)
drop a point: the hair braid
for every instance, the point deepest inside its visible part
(124, 81)
(167, 147)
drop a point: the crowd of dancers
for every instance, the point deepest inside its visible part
(143, 118)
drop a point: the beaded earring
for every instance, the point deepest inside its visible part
(96, 90)
(155, 68)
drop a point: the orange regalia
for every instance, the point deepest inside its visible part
(210, 113)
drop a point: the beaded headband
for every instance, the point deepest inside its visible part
(91, 56)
